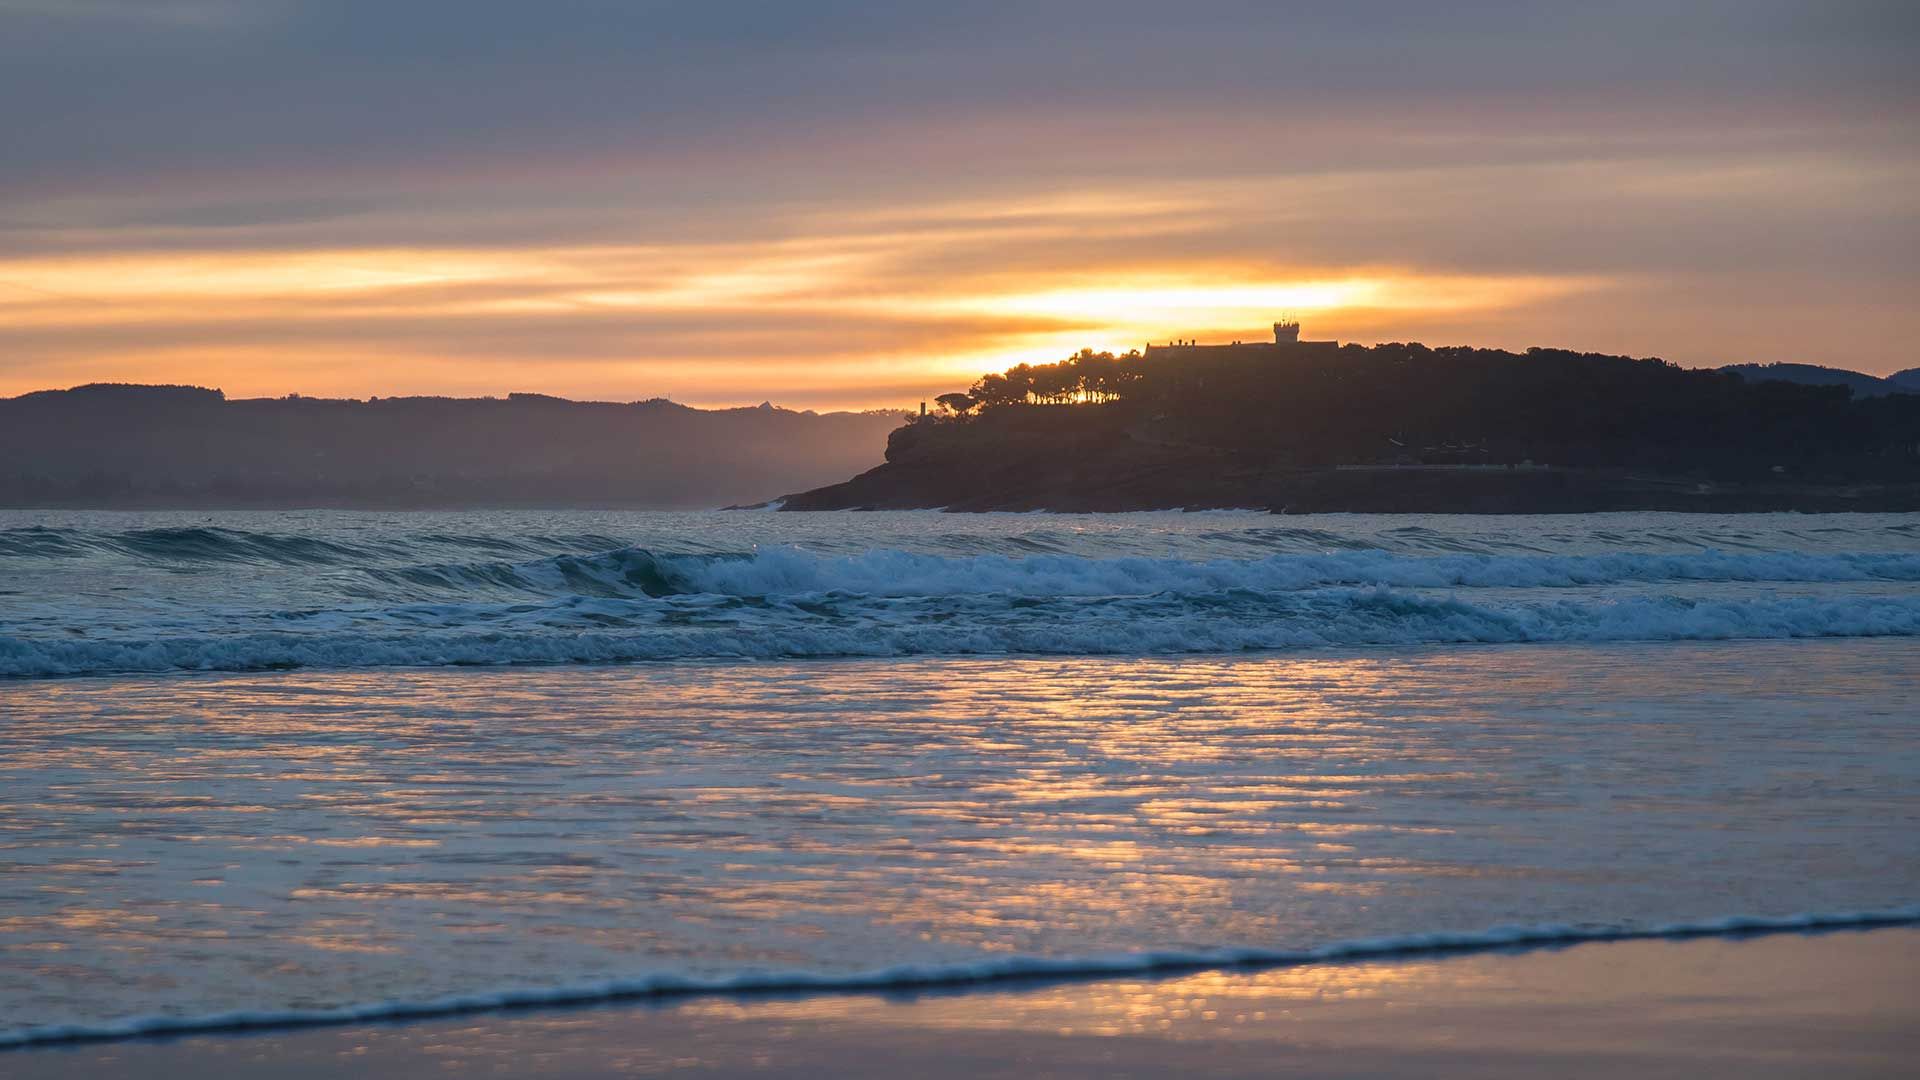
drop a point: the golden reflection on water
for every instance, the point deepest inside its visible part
(1205, 1005)
(446, 829)
(982, 805)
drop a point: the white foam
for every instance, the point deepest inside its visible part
(984, 973)
(788, 570)
(892, 627)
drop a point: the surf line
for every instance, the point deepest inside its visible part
(1006, 971)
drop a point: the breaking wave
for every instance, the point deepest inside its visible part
(208, 598)
(214, 544)
(785, 571)
(583, 631)
(901, 573)
(985, 973)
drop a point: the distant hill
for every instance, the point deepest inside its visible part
(113, 445)
(1814, 375)
(1392, 428)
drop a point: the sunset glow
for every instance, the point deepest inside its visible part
(1095, 538)
(855, 239)
(245, 319)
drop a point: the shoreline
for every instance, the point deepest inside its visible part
(987, 975)
(961, 480)
(773, 506)
(1835, 1002)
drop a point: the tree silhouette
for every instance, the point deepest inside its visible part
(958, 404)
(1406, 402)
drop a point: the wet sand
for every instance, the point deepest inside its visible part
(1833, 1005)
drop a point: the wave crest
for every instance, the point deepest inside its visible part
(860, 626)
(791, 571)
(899, 573)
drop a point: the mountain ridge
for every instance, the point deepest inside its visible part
(129, 445)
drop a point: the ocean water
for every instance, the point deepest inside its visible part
(328, 764)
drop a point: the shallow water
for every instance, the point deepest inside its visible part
(1834, 1005)
(368, 829)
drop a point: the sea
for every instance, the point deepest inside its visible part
(322, 766)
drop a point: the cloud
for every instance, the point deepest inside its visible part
(652, 193)
(349, 89)
(146, 13)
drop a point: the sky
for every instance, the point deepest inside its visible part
(831, 204)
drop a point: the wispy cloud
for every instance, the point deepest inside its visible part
(843, 203)
(929, 294)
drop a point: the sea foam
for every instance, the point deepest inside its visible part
(368, 598)
(867, 627)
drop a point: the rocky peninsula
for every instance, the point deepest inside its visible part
(1303, 427)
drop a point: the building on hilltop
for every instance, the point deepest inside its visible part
(1286, 344)
(1183, 367)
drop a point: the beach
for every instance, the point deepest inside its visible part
(837, 792)
(1784, 1005)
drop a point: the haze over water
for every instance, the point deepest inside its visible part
(848, 743)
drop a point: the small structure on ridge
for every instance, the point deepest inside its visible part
(1286, 344)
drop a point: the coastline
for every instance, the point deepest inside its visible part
(1836, 1003)
(1316, 427)
(1118, 483)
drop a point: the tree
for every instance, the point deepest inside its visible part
(1020, 382)
(993, 391)
(957, 404)
(1055, 384)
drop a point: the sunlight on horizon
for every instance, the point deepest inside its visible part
(711, 324)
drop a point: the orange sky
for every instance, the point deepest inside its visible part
(789, 231)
